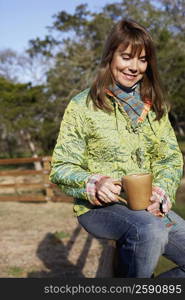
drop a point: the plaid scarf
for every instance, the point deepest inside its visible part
(130, 100)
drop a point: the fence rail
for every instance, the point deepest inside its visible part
(47, 190)
(12, 161)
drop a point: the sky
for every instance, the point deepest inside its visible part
(22, 20)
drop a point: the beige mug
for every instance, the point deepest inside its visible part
(138, 188)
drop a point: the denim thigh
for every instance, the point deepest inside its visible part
(115, 221)
(175, 248)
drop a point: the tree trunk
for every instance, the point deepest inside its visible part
(27, 138)
(180, 130)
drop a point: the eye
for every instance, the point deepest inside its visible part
(143, 59)
(125, 56)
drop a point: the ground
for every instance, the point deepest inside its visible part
(45, 240)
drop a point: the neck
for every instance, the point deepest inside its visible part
(127, 89)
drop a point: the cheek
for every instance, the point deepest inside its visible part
(143, 68)
(122, 64)
(117, 65)
(114, 70)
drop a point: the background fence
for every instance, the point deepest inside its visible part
(27, 183)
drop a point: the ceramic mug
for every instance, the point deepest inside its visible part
(138, 188)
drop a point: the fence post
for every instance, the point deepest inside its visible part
(47, 185)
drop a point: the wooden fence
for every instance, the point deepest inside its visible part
(47, 190)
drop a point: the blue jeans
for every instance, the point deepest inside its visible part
(141, 238)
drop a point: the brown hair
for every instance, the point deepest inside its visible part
(125, 33)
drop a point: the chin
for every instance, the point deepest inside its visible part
(128, 84)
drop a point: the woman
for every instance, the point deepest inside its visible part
(120, 126)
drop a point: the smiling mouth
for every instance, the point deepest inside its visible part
(130, 75)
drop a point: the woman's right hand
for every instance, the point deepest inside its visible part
(106, 190)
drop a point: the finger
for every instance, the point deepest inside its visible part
(113, 188)
(109, 184)
(153, 206)
(111, 195)
(95, 202)
(98, 203)
(118, 189)
(166, 207)
(156, 213)
(103, 197)
(108, 193)
(101, 193)
(154, 210)
(155, 197)
(107, 196)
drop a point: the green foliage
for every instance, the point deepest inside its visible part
(163, 265)
(61, 235)
(24, 110)
(15, 271)
(78, 56)
(74, 44)
(180, 210)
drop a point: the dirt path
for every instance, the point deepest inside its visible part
(45, 240)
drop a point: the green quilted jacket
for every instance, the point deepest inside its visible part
(95, 142)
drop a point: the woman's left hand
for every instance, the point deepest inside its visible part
(156, 199)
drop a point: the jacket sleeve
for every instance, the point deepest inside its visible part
(167, 162)
(68, 165)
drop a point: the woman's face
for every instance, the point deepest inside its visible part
(127, 70)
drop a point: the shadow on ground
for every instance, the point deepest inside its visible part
(54, 255)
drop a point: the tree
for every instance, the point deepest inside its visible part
(65, 62)
(23, 67)
(25, 114)
(76, 57)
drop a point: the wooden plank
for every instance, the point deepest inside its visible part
(23, 198)
(107, 261)
(48, 188)
(23, 172)
(27, 184)
(23, 184)
(11, 161)
(62, 198)
(35, 198)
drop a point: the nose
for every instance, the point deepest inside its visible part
(133, 66)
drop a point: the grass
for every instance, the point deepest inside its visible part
(164, 264)
(61, 234)
(15, 271)
(180, 210)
